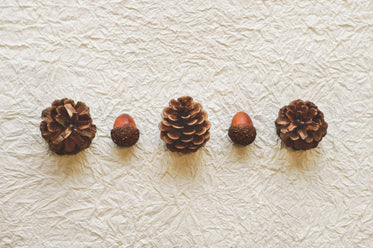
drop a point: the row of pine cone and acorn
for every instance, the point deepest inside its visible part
(68, 128)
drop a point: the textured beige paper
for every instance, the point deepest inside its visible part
(133, 57)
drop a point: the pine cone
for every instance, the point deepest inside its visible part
(184, 126)
(301, 125)
(67, 127)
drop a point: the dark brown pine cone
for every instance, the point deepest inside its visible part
(301, 125)
(184, 126)
(67, 127)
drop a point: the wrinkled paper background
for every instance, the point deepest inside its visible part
(133, 57)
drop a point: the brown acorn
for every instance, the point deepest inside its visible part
(124, 132)
(242, 130)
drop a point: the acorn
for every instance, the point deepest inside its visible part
(242, 130)
(125, 133)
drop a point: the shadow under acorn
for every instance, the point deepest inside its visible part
(124, 154)
(237, 152)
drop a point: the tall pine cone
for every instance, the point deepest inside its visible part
(301, 125)
(67, 127)
(184, 126)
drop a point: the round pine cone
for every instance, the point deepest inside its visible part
(301, 125)
(184, 126)
(67, 127)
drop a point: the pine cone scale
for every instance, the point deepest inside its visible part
(197, 108)
(313, 127)
(46, 115)
(163, 127)
(294, 136)
(282, 122)
(174, 104)
(70, 110)
(81, 108)
(187, 139)
(202, 118)
(61, 111)
(200, 130)
(166, 138)
(89, 132)
(189, 131)
(180, 145)
(318, 136)
(83, 119)
(53, 127)
(82, 126)
(79, 141)
(173, 134)
(66, 133)
(198, 140)
(302, 134)
(290, 115)
(62, 120)
(58, 139)
(177, 126)
(192, 122)
(69, 145)
(309, 140)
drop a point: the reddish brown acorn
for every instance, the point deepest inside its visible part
(242, 130)
(125, 132)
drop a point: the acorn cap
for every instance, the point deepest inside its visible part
(243, 134)
(125, 136)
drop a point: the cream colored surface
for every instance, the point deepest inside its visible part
(133, 57)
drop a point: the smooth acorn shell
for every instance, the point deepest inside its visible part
(124, 120)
